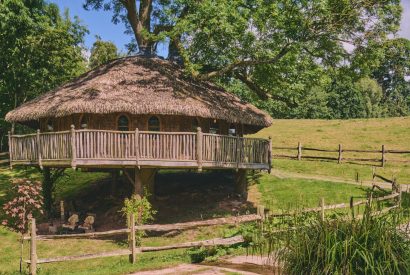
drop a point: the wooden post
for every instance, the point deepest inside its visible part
(322, 211)
(132, 239)
(138, 182)
(357, 177)
(339, 159)
(199, 148)
(299, 151)
(400, 194)
(10, 151)
(261, 211)
(62, 212)
(39, 149)
(73, 148)
(33, 248)
(137, 147)
(270, 154)
(238, 152)
(383, 156)
(351, 206)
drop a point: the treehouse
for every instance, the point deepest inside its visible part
(140, 114)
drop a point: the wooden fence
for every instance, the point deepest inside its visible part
(86, 147)
(339, 154)
(133, 250)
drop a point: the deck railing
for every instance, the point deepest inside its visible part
(138, 148)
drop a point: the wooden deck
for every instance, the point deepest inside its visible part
(112, 149)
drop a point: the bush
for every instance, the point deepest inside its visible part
(26, 202)
(372, 245)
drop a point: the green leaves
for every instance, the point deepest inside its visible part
(102, 52)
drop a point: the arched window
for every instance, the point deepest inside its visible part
(232, 130)
(214, 127)
(123, 123)
(195, 124)
(154, 124)
(84, 122)
(50, 126)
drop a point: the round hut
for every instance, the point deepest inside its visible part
(140, 114)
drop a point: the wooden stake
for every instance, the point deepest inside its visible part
(73, 148)
(137, 147)
(138, 182)
(39, 149)
(10, 151)
(339, 159)
(33, 248)
(62, 214)
(322, 205)
(299, 151)
(352, 206)
(383, 156)
(199, 148)
(261, 211)
(132, 240)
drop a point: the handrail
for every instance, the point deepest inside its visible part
(181, 149)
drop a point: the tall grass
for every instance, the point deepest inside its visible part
(372, 245)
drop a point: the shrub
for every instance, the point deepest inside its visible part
(372, 245)
(26, 202)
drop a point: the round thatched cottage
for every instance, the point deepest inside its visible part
(139, 113)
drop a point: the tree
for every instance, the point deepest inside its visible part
(102, 52)
(39, 49)
(241, 38)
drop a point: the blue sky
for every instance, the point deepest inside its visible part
(99, 23)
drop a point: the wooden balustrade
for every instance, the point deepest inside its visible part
(130, 148)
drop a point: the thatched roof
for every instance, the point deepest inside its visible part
(140, 85)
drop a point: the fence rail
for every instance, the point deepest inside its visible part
(131, 231)
(4, 158)
(132, 251)
(138, 148)
(299, 149)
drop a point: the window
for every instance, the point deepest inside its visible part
(232, 130)
(153, 124)
(84, 121)
(50, 126)
(195, 124)
(214, 127)
(123, 123)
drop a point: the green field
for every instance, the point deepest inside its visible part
(366, 134)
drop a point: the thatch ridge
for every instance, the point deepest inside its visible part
(139, 85)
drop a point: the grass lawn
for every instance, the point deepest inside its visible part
(284, 194)
(367, 134)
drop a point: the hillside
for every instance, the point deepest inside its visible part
(367, 134)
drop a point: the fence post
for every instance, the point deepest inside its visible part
(33, 248)
(132, 239)
(199, 147)
(299, 151)
(261, 211)
(400, 194)
(339, 159)
(10, 151)
(322, 211)
(383, 156)
(352, 207)
(62, 212)
(137, 147)
(73, 148)
(39, 149)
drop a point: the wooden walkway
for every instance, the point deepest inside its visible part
(102, 148)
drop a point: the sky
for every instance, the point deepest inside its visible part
(99, 23)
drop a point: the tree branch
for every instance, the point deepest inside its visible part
(261, 92)
(244, 63)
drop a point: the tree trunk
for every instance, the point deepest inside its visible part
(241, 183)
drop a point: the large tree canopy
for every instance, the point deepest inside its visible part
(241, 38)
(39, 49)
